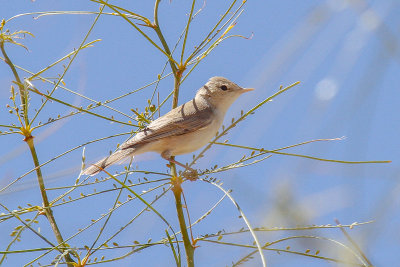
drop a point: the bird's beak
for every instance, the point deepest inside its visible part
(244, 90)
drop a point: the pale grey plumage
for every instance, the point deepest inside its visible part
(183, 129)
(178, 121)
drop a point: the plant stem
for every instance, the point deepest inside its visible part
(46, 205)
(187, 30)
(175, 180)
(189, 249)
(176, 92)
(22, 91)
(163, 42)
(29, 140)
(177, 189)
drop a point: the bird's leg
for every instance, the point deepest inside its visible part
(192, 175)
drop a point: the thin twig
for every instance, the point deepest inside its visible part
(355, 245)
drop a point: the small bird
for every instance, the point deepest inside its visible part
(182, 130)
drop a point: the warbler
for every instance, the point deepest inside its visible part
(182, 130)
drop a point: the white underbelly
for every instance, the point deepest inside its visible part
(191, 142)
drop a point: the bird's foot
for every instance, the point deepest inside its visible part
(190, 174)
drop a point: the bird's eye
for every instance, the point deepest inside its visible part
(224, 88)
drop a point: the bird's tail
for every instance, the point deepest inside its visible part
(107, 161)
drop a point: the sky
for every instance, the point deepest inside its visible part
(345, 55)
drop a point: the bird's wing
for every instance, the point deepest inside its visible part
(181, 120)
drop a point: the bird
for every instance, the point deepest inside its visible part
(182, 130)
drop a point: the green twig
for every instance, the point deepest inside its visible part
(26, 131)
(171, 244)
(52, 13)
(157, 29)
(241, 118)
(46, 205)
(81, 46)
(355, 245)
(253, 234)
(49, 97)
(189, 248)
(210, 36)
(141, 199)
(264, 151)
(175, 180)
(22, 91)
(115, 8)
(190, 17)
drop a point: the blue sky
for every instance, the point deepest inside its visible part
(344, 53)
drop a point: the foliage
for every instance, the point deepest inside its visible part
(29, 100)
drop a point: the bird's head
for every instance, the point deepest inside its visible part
(221, 92)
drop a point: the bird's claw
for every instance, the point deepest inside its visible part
(191, 174)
